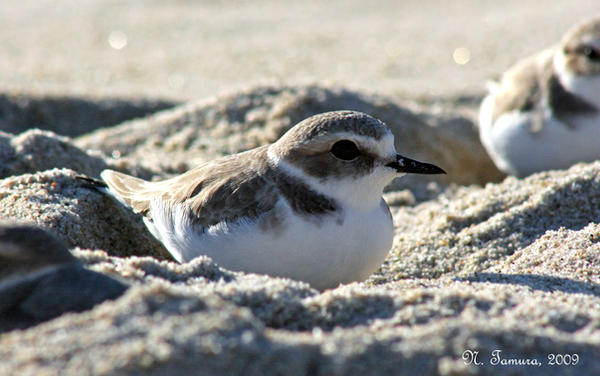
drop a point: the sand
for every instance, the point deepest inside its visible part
(481, 262)
(185, 50)
(510, 266)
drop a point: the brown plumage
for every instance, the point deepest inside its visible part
(533, 83)
(246, 185)
(224, 189)
(307, 207)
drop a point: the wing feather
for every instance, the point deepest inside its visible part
(224, 189)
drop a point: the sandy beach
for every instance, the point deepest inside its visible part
(488, 274)
(191, 50)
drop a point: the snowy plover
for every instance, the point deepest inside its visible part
(27, 251)
(307, 207)
(40, 279)
(544, 113)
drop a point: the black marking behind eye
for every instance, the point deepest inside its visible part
(345, 150)
(591, 53)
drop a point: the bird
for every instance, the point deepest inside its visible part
(27, 251)
(40, 279)
(544, 112)
(307, 207)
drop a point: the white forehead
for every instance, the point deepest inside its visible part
(592, 40)
(383, 147)
(586, 32)
(588, 39)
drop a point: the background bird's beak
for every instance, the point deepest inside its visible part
(407, 165)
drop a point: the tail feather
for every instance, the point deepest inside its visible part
(134, 192)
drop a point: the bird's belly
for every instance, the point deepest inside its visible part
(516, 149)
(323, 251)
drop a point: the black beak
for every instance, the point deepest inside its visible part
(410, 166)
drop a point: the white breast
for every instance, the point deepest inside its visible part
(518, 150)
(324, 253)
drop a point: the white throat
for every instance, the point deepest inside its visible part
(363, 193)
(586, 87)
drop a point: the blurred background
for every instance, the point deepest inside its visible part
(189, 49)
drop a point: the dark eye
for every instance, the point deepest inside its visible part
(345, 149)
(591, 53)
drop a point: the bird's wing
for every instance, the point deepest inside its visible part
(520, 88)
(224, 189)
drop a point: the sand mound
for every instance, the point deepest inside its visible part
(176, 140)
(510, 266)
